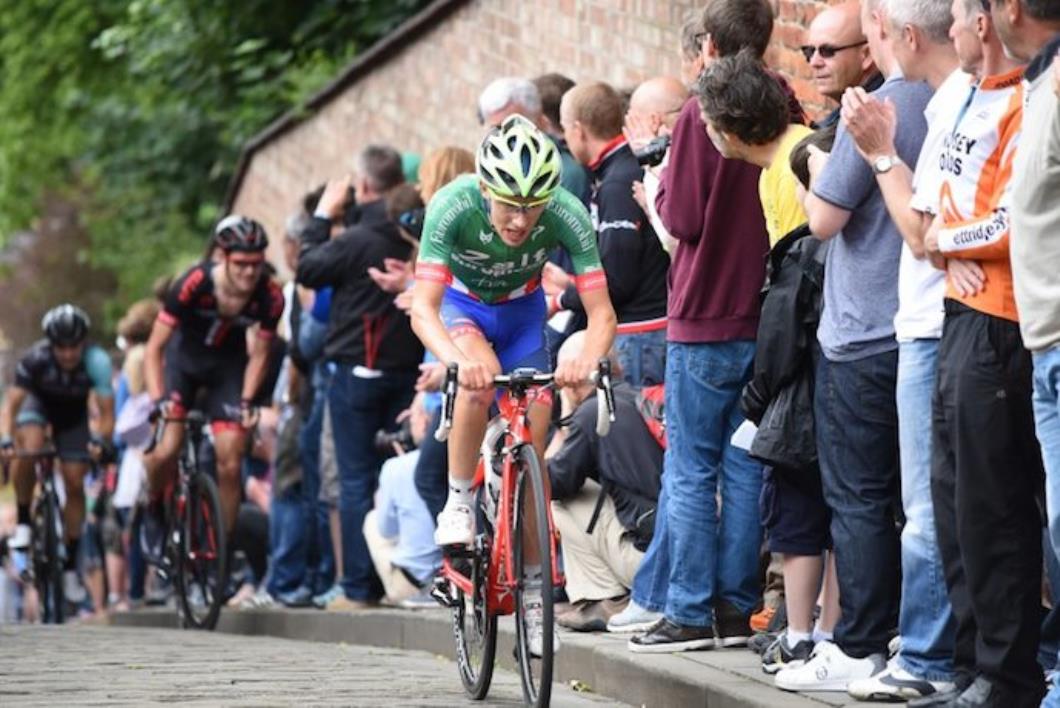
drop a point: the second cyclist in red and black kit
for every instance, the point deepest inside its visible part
(199, 347)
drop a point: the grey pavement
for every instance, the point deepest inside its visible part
(726, 678)
(83, 665)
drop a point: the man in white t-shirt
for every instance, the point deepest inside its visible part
(920, 41)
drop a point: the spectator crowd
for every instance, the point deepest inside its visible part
(837, 438)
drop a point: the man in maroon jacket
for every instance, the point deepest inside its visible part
(705, 578)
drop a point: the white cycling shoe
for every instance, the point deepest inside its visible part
(20, 540)
(535, 632)
(456, 526)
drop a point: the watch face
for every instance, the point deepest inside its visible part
(883, 164)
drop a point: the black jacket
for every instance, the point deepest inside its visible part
(779, 398)
(627, 463)
(633, 259)
(365, 328)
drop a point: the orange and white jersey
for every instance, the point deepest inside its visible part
(976, 160)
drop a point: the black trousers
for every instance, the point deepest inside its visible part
(986, 480)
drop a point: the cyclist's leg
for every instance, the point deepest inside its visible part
(522, 345)
(161, 462)
(224, 390)
(471, 411)
(229, 442)
(71, 438)
(29, 437)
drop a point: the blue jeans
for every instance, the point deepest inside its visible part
(642, 357)
(1047, 423)
(857, 442)
(714, 556)
(287, 543)
(321, 571)
(653, 576)
(925, 619)
(359, 408)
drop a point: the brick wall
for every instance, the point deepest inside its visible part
(425, 96)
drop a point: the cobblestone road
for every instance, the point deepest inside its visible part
(80, 665)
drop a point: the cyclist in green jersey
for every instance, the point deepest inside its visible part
(478, 300)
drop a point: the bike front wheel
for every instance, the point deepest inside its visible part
(533, 596)
(202, 555)
(47, 568)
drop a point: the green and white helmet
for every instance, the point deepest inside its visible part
(518, 161)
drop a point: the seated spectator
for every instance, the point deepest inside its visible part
(604, 495)
(633, 259)
(399, 531)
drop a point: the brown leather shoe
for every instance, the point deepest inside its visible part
(592, 615)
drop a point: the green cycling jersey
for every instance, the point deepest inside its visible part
(460, 247)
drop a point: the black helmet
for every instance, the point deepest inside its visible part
(65, 325)
(238, 233)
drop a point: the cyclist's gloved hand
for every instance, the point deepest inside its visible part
(248, 413)
(159, 409)
(101, 449)
(7, 449)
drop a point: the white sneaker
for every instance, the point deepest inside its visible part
(535, 632)
(20, 540)
(456, 526)
(73, 590)
(828, 669)
(896, 684)
(633, 619)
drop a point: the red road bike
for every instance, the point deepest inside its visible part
(489, 578)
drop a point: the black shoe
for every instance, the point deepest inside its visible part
(761, 641)
(984, 693)
(732, 625)
(780, 655)
(666, 637)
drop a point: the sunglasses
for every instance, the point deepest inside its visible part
(522, 208)
(246, 263)
(827, 51)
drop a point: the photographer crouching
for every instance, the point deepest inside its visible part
(399, 531)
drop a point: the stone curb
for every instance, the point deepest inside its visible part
(718, 679)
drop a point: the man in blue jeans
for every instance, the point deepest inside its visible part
(854, 399)
(704, 562)
(373, 352)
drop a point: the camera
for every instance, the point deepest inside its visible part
(384, 440)
(351, 214)
(653, 153)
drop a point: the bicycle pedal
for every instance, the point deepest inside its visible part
(440, 593)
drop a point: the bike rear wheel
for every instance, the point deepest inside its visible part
(201, 575)
(475, 629)
(47, 568)
(535, 672)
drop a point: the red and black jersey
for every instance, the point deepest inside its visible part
(191, 308)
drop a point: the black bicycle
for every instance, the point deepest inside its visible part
(195, 550)
(47, 550)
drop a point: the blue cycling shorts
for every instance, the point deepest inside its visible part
(515, 328)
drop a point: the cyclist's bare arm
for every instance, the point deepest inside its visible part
(428, 326)
(13, 398)
(257, 365)
(103, 425)
(156, 344)
(599, 335)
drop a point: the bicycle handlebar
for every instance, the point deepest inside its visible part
(601, 378)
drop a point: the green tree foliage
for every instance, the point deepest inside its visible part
(140, 109)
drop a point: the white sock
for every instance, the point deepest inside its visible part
(820, 635)
(460, 491)
(796, 637)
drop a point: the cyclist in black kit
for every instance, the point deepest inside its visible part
(202, 333)
(54, 382)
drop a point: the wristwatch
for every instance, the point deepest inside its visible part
(883, 165)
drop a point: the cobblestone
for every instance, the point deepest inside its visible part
(95, 666)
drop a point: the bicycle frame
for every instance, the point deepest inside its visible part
(187, 466)
(502, 581)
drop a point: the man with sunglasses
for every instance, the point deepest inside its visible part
(838, 55)
(479, 303)
(202, 333)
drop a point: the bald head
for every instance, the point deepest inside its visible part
(835, 27)
(658, 101)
